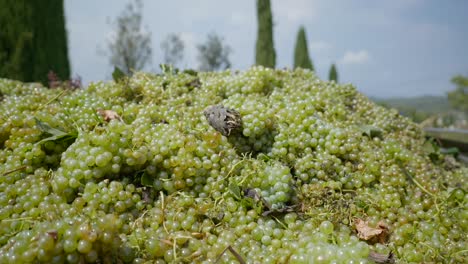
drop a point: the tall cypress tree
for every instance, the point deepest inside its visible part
(33, 40)
(265, 52)
(301, 53)
(333, 74)
(16, 40)
(50, 40)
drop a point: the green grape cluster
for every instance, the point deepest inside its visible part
(132, 172)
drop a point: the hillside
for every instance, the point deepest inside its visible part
(417, 108)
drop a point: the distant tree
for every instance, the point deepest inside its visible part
(459, 97)
(333, 74)
(130, 50)
(173, 48)
(265, 51)
(33, 40)
(301, 53)
(213, 54)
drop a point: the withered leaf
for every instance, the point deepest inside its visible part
(368, 233)
(223, 119)
(280, 211)
(382, 258)
(108, 115)
(53, 234)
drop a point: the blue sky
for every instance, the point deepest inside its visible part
(385, 48)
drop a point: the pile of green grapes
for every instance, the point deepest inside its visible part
(132, 172)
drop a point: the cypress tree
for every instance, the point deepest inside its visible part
(265, 52)
(50, 40)
(33, 40)
(333, 74)
(16, 38)
(301, 53)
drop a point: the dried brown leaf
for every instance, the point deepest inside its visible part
(109, 115)
(198, 235)
(372, 234)
(53, 234)
(223, 119)
(382, 258)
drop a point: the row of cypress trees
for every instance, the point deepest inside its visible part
(265, 52)
(33, 40)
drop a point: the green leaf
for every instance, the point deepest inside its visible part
(371, 131)
(428, 147)
(450, 151)
(191, 72)
(146, 180)
(235, 190)
(55, 133)
(168, 69)
(118, 74)
(46, 128)
(431, 146)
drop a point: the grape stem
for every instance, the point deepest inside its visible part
(18, 219)
(14, 170)
(162, 209)
(53, 99)
(281, 223)
(409, 175)
(234, 166)
(233, 252)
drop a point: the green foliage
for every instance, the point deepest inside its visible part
(265, 51)
(301, 53)
(54, 134)
(15, 40)
(333, 74)
(50, 40)
(118, 74)
(213, 54)
(459, 97)
(33, 40)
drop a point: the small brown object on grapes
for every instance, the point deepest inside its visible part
(53, 234)
(108, 115)
(223, 119)
(382, 258)
(372, 234)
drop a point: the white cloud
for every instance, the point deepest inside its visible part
(355, 57)
(319, 46)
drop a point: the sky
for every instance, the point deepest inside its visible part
(388, 48)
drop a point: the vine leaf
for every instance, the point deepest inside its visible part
(118, 75)
(55, 134)
(371, 131)
(235, 191)
(146, 180)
